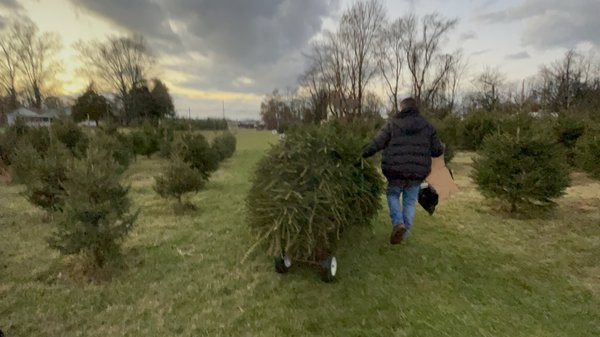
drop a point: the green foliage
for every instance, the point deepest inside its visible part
(180, 124)
(178, 179)
(162, 99)
(224, 145)
(588, 153)
(42, 173)
(449, 131)
(147, 141)
(96, 215)
(521, 170)
(118, 146)
(193, 148)
(39, 138)
(568, 129)
(309, 188)
(90, 105)
(9, 140)
(476, 126)
(71, 135)
(167, 136)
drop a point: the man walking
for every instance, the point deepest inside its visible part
(408, 142)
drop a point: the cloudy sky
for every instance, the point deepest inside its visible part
(235, 51)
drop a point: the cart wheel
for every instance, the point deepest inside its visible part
(282, 264)
(329, 269)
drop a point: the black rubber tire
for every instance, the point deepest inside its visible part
(282, 264)
(328, 269)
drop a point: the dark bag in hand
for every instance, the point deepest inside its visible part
(428, 199)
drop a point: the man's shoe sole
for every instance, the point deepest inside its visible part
(397, 235)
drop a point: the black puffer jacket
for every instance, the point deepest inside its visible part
(408, 142)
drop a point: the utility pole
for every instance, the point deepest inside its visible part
(223, 109)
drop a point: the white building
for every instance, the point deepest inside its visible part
(32, 118)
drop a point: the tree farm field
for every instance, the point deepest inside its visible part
(468, 270)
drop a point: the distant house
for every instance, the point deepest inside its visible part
(36, 119)
(32, 118)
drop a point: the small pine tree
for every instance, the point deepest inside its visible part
(10, 139)
(224, 145)
(588, 153)
(522, 170)
(118, 147)
(568, 130)
(475, 127)
(96, 215)
(71, 135)
(42, 173)
(145, 142)
(195, 150)
(178, 179)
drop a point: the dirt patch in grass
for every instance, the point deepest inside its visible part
(5, 175)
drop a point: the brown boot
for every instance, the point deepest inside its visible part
(397, 234)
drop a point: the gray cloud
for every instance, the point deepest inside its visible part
(10, 4)
(480, 52)
(251, 32)
(518, 56)
(467, 36)
(259, 39)
(553, 23)
(138, 16)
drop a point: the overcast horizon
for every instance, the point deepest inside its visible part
(237, 51)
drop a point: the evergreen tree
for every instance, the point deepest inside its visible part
(522, 170)
(42, 173)
(71, 135)
(224, 145)
(90, 105)
(195, 150)
(178, 179)
(96, 215)
(588, 153)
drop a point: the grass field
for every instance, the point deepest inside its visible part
(466, 271)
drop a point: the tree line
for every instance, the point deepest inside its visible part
(119, 66)
(409, 55)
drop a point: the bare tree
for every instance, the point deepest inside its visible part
(314, 83)
(562, 79)
(9, 67)
(391, 59)
(422, 41)
(37, 61)
(442, 97)
(120, 64)
(358, 33)
(488, 87)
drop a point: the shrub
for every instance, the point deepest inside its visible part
(568, 129)
(96, 215)
(224, 145)
(71, 135)
(476, 126)
(588, 153)
(39, 138)
(9, 140)
(178, 179)
(309, 188)
(196, 152)
(145, 143)
(522, 171)
(42, 173)
(167, 137)
(118, 146)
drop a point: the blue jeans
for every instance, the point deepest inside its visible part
(404, 214)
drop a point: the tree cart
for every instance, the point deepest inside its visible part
(307, 190)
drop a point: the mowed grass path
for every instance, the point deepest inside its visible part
(466, 271)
